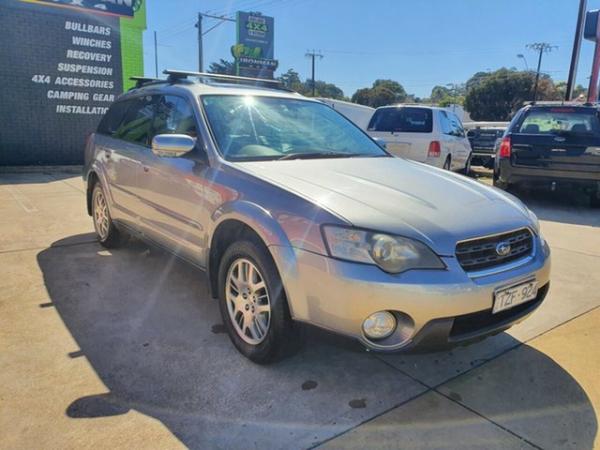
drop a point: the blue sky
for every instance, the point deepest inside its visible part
(419, 43)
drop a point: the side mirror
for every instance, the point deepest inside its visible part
(172, 145)
(381, 143)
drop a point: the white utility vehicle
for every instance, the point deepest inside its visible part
(427, 134)
(359, 114)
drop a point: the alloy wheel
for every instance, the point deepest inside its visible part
(101, 217)
(248, 301)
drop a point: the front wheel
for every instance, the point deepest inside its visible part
(467, 169)
(253, 304)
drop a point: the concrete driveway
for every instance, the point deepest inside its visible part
(125, 349)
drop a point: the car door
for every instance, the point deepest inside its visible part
(172, 189)
(124, 150)
(115, 159)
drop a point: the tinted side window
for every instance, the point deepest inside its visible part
(113, 118)
(137, 124)
(174, 115)
(456, 125)
(404, 119)
(446, 125)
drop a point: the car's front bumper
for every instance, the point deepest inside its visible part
(445, 306)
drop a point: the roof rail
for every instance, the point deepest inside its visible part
(175, 75)
(558, 103)
(141, 81)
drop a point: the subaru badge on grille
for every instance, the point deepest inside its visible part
(503, 249)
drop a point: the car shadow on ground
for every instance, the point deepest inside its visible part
(565, 206)
(147, 326)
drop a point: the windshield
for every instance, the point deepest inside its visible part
(406, 119)
(255, 128)
(561, 120)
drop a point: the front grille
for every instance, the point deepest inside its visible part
(479, 254)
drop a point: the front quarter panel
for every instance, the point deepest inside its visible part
(281, 218)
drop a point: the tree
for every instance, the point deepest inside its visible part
(291, 80)
(222, 67)
(438, 93)
(561, 89)
(498, 95)
(383, 92)
(323, 89)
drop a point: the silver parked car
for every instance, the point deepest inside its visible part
(297, 215)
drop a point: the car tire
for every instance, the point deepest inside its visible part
(253, 304)
(447, 163)
(107, 233)
(500, 184)
(467, 169)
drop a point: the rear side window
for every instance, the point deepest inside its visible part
(560, 120)
(403, 119)
(136, 127)
(113, 118)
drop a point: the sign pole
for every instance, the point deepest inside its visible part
(576, 50)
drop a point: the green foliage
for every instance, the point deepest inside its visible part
(222, 67)
(383, 92)
(438, 93)
(291, 79)
(496, 96)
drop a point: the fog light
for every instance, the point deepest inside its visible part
(379, 325)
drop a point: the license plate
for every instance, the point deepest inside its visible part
(515, 295)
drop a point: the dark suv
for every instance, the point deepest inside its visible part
(551, 145)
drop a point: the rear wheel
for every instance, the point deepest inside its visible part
(448, 163)
(253, 304)
(108, 234)
(499, 183)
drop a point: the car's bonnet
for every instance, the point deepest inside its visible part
(398, 196)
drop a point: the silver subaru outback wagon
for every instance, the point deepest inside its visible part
(297, 215)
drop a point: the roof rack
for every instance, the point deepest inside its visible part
(175, 75)
(141, 81)
(559, 103)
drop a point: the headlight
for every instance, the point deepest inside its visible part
(393, 254)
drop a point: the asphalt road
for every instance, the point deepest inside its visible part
(124, 348)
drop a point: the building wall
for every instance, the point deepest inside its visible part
(60, 68)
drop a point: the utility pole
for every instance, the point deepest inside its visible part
(541, 47)
(576, 49)
(313, 55)
(155, 56)
(200, 55)
(201, 34)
